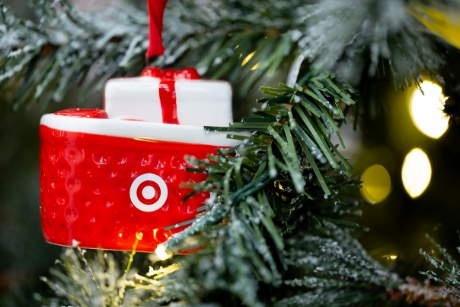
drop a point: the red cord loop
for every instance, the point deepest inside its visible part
(156, 10)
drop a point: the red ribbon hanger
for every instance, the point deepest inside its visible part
(156, 10)
(167, 88)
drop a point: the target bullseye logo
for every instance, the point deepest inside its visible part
(148, 192)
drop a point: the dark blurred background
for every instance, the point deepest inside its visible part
(398, 223)
(24, 255)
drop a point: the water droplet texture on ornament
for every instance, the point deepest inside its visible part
(100, 158)
(85, 189)
(73, 185)
(54, 155)
(71, 214)
(63, 170)
(73, 155)
(161, 235)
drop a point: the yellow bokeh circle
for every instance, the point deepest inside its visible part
(376, 184)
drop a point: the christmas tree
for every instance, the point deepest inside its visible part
(282, 226)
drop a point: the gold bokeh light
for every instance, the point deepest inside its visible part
(248, 58)
(376, 184)
(416, 172)
(426, 110)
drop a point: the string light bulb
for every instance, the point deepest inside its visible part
(162, 253)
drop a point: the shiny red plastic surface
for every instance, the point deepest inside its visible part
(87, 113)
(85, 185)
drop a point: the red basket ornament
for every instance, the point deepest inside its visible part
(110, 177)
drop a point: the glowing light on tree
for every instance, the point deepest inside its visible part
(426, 110)
(416, 172)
